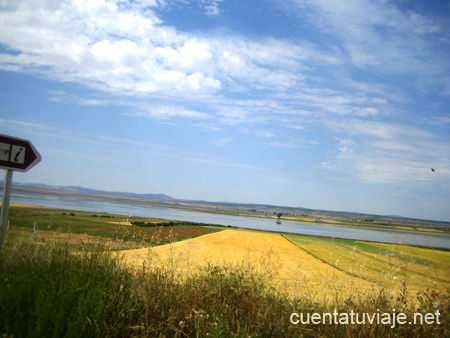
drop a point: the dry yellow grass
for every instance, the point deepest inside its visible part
(127, 223)
(288, 268)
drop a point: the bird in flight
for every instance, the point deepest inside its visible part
(432, 169)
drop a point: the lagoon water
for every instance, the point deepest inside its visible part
(316, 229)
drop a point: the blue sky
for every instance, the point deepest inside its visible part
(338, 105)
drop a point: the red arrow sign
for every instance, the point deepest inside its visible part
(17, 154)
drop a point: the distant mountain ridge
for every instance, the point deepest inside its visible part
(88, 191)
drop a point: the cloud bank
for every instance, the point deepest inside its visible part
(356, 72)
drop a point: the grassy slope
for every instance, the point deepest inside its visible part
(387, 265)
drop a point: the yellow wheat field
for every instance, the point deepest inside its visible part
(288, 268)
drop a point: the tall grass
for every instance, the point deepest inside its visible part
(50, 291)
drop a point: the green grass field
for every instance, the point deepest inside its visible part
(390, 266)
(81, 228)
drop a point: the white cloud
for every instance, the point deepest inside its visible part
(293, 143)
(233, 115)
(388, 153)
(381, 34)
(125, 48)
(164, 112)
(223, 141)
(266, 133)
(439, 120)
(192, 55)
(339, 102)
(422, 24)
(346, 146)
(386, 169)
(15, 124)
(61, 96)
(115, 52)
(211, 7)
(104, 44)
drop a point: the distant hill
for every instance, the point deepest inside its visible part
(40, 188)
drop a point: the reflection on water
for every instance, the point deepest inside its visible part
(145, 210)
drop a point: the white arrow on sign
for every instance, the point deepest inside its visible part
(17, 154)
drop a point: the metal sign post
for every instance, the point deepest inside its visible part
(15, 154)
(5, 205)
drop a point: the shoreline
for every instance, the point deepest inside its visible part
(21, 205)
(420, 227)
